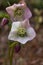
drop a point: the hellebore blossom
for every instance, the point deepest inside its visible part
(19, 12)
(21, 32)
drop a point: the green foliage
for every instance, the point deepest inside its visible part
(3, 14)
(13, 1)
(39, 4)
(9, 24)
(6, 3)
(35, 3)
(13, 44)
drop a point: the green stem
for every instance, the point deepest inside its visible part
(11, 56)
(9, 53)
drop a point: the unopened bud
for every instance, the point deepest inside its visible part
(4, 21)
(17, 48)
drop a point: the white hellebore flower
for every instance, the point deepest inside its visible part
(21, 32)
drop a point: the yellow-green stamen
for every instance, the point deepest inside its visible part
(21, 32)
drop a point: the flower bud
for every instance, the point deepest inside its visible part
(4, 21)
(17, 48)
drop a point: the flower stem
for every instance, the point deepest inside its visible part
(11, 55)
(10, 52)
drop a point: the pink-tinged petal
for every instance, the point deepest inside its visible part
(19, 5)
(25, 23)
(10, 11)
(27, 13)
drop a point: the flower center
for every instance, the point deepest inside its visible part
(18, 12)
(21, 32)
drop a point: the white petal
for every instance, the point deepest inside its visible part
(22, 40)
(15, 26)
(30, 34)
